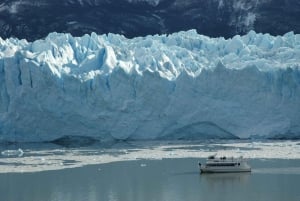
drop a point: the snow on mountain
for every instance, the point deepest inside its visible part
(183, 85)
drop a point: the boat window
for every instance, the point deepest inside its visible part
(220, 164)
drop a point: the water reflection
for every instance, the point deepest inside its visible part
(149, 180)
(226, 177)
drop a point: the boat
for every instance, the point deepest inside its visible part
(224, 165)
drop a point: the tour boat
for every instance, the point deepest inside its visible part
(224, 165)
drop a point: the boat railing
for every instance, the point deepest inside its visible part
(213, 158)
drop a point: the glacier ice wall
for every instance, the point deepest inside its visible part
(183, 85)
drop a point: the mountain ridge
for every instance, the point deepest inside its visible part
(34, 20)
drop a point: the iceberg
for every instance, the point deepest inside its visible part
(178, 86)
(10, 153)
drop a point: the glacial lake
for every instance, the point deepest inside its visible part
(155, 180)
(148, 171)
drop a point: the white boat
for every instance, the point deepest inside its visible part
(224, 165)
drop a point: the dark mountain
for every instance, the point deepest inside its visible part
(33, 19)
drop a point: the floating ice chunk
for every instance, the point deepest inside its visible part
(9, 153)
(53, 159)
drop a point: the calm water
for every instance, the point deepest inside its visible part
(155, 180)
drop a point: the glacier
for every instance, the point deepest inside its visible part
(178, 86)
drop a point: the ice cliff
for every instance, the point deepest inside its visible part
(183, 85)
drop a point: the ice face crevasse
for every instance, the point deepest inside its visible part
(183, 85)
